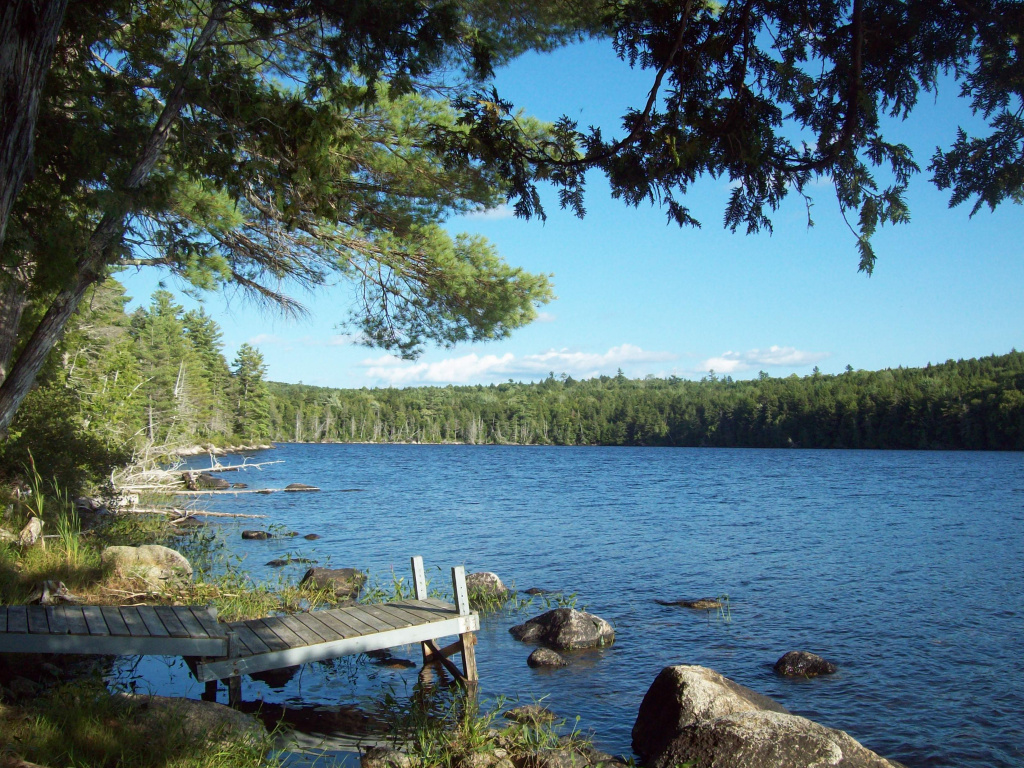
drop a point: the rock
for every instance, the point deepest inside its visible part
(485, 583)
(6, 535)
(239, 485)
(52, 670)
(206, 481)
(531, 714)
(31, 532)
(256, 535)
(565, 629)
(694, 715)
(538, 591)
(486, 760)
(311, 536)
(544, 657)
(265, 490)
(88, 504)
(298, 487)
(151, 562)
(574, 756)
(23, 688)
(345, 582)
(700, 604)
(803, 664)
(203, 721)
(385, 757)
(288, 561)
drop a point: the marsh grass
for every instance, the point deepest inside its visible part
(80, 724)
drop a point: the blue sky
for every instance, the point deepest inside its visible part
(648, 297)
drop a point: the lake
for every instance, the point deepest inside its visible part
(904, 568)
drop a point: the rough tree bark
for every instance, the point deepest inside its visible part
(98, 255)
(28, 33)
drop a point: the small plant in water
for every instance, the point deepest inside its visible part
(724, 612)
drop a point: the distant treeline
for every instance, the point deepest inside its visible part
(964, 404)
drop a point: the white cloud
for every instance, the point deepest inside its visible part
(546, 317)
(473, 368)
(264, 339)
(735, 362)
(503, 211)
(270, 339)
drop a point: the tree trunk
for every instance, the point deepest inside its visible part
(92, 264)
(28, 33)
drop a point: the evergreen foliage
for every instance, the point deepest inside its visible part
(965, 404)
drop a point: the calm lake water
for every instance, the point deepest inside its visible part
(904, 568)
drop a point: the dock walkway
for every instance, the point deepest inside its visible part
(224, 651)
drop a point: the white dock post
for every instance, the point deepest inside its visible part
(468, 639)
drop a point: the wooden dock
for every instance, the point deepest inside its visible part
(225, 651)
(161, 630)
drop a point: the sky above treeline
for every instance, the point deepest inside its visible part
(639, 294)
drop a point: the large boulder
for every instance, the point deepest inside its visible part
(803, 664)
(485, 584)
(31, 533)
(565, 629)
(150, 562)
(693, 715)
(346, 583)
(201, 721)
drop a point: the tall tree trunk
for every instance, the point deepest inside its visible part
(91, 265)
(28, 33)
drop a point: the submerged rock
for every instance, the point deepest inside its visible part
(297, 487)
(693, 715)
(531, 714)
(565, 629)
(545, 657)
(700, 604)
(803, 664)
(311, 536)
(211, 482)
(256, 535)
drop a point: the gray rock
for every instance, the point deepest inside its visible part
(803, 664)
(211, 482)
(385, 757)
(344, 582)
(531, 714)
(694, 715)
(700, 604)
(150, 562)
(545, 657)
(538, 591)
(300, 487)
(311, 536)
(256, 535)
(565, 629)
(485, 583)
(31, 532)
(202, 721)
(23, 688)
(239, 485)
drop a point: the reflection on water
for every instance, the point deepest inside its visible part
(902, 567)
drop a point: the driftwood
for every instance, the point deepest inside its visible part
(31, 533)
(184, 514)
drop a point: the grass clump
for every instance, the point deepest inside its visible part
(80, 724)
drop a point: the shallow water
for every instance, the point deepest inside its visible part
(904, 568)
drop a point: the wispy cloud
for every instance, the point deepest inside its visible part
(738, 362)
(546, 317)
(473, 368)
(273, 340)
(492, 214)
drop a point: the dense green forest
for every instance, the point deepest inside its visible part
(157, 380)
(973, 404)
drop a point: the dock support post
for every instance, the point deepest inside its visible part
(419, 582)
(234, 690)
(467, 639)
(210, 691)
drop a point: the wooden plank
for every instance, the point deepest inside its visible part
(37, 623)
(136, 626)
(184, 614)
(208, 619)
(469, 656)
(112, 645)
(329, 634)
(3, 618)
(279, 628)
(149, 617)
(337, 622)
(171, 621)
(363, 614)
(437, 603)
(309, 637)
(250, 638)
(406, 615)
(384, 617)
(76, 620)
(211, 669)
(267, 635)
(17, 619)
(116, 624)
(423, 613)
(436, 655)
(419, 579)
(237, 646)
(58, 623)
(353, 619)
(94, 619)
